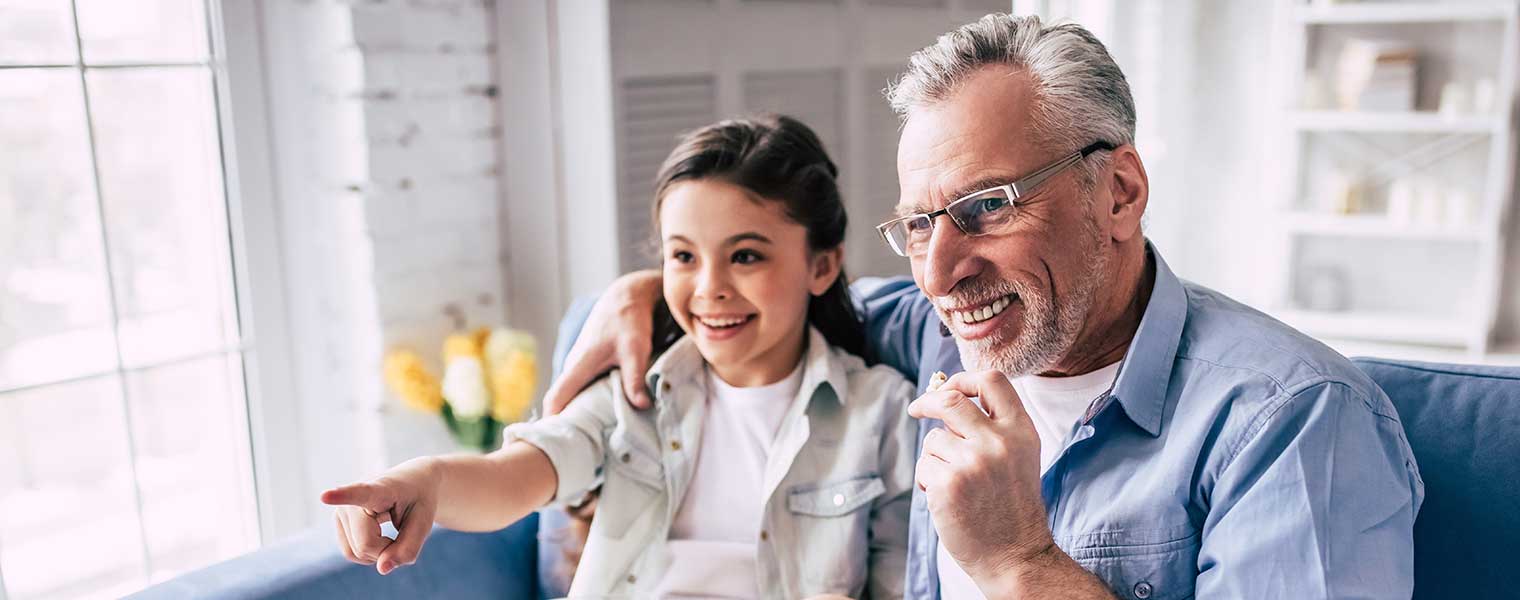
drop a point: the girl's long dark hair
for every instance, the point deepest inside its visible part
(781, 160)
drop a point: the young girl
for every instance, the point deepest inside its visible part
(774, 463)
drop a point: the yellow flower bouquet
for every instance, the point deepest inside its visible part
(488, 381)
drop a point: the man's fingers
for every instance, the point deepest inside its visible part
(942, 445)
(633, 364)
(960, 415)
(582, 366)
(930, 473)
(993, 389)
(413, 531)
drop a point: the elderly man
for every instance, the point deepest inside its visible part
(1115, 431)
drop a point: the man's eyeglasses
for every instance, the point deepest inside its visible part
(978, 213)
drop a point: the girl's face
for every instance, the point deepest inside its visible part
(738, 276)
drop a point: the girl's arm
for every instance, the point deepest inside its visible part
(487, 493)
(541, 461)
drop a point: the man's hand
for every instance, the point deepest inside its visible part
(407, 496)
(617, 333)
(981, 473)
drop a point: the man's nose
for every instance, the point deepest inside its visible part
(947, 260)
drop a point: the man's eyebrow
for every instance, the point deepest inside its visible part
(982, 184)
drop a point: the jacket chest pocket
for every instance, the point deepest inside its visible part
(634, 479)
(832, 523)
(1144, 565)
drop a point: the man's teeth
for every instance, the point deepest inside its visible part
(722, 322)
(982, 314)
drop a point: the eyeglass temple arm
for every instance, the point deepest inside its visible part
(1034, 179)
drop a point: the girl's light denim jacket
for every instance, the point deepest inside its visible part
(837, 482)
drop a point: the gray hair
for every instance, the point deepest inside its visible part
(1080, 95)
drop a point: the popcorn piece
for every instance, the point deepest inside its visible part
(936, 381)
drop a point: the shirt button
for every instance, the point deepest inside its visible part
(625, 457)
(675, 445)
(764, 536)
(1143, 590)
(665, 387)
(838, 499)
(632, 578)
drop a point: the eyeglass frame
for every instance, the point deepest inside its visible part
(1015, 189)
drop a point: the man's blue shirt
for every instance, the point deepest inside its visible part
(1234, 458)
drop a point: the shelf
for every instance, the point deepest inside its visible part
(1394, 122)
(1390, 12)
(1380, 326)
(1378, 226)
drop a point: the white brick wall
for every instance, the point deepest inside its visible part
(385, 135)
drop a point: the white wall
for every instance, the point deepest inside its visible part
(383, 132)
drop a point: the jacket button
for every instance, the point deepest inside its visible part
(764, 536)
(665, 387)
(675, 444)
(632, 578)
(625, 457)
(1143, 590)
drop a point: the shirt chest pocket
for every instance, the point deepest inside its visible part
(1142, 565)
(633, 480)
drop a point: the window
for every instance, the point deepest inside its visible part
(124, 441)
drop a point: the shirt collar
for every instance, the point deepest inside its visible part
(1142, 384)
(822, 373)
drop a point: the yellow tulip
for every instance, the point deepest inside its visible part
(408, 378)
(512, 372)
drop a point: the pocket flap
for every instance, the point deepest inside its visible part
(835, 499)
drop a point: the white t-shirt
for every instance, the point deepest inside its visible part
(713, 536)
(1055, 404)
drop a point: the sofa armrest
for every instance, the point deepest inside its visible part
(453, 564)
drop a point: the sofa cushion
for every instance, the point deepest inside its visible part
(1463, 423)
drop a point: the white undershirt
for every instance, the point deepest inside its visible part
(713, 538)
(1055, 404)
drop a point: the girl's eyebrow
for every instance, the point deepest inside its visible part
(734, 239)
(749, 235)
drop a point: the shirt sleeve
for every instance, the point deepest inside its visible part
(889, 513)
(574, 440)
(1318, 501)
(896, 315)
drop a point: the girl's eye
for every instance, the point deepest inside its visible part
(744, 257)
(681, 256)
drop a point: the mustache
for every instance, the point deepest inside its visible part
(979, 291)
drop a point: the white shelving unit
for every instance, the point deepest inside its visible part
(1395, 280)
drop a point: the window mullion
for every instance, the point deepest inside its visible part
(105, 240)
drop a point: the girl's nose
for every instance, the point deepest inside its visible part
(713, 283)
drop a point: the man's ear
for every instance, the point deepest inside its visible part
(1130, 188)
(826, 265)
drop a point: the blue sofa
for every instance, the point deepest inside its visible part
(1462, 421)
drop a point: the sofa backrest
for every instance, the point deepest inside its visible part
(1463, 423)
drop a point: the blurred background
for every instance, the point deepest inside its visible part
(218, 217)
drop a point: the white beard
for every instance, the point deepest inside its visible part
(1048, 334)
